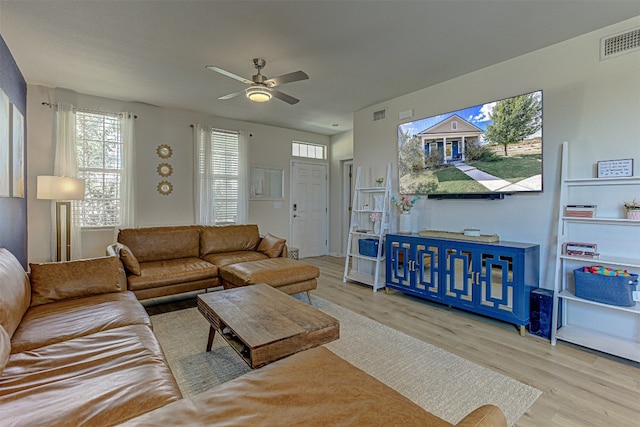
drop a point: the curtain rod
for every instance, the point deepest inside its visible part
(50, 105)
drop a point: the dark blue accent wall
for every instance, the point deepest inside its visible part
(13, 210)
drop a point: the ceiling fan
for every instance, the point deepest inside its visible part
(261, 88)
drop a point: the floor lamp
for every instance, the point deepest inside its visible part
(61, 189)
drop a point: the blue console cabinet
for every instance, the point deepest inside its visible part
(492, 279)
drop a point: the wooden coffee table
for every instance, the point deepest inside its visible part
(263, 324)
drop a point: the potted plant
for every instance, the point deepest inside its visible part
(633, 209)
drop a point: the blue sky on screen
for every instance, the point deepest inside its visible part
(478, 116)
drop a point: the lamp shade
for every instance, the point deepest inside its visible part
(60, 188)
(258, 94)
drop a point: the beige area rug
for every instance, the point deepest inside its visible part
(444, 384)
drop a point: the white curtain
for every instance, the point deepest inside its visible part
(243, 178)
(204, 195)
(127, 182)
(65, 164)
(204, 192)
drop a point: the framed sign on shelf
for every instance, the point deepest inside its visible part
(615, 168)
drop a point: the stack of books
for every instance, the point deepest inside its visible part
(580, 211)
(582, 250)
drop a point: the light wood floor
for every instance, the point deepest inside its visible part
(580, 387)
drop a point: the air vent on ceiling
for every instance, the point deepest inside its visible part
(619, 44)
(379, 115)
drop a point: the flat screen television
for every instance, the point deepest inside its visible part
(485, 151)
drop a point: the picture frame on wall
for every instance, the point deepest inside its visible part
(615, 168)
(17, 152)
(5, 152)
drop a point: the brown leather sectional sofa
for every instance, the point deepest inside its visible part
(161, 261)
(75, 348)
(78, 349)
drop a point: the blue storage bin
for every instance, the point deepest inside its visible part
(613, 290)
(369, 247)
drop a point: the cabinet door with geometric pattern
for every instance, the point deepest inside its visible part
(458, 276)
(496, 284)
(398, 272)
(413, 266)
(427, 269)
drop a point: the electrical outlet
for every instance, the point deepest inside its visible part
(636, 295)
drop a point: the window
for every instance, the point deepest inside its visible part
(220, 177)
(226, 162)
(308, 150)
(99, 150)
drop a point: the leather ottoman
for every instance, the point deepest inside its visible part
(287, 275)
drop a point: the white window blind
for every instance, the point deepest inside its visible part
(99, 150)
(226, 170)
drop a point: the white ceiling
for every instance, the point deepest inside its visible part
(357, 53)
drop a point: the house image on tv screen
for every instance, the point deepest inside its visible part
(493, 149)
(449, 138)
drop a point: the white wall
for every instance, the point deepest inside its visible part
(593, 104)
(269, 146)
(341, 150)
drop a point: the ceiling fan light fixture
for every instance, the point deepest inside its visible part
(259, 94)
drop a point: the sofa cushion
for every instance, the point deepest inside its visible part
(15, 291)
(170, 272)
(59, 321)
(5, 348)
(161, 243)
(271, 245)
(56, 281)
(129, 260)
(96, 380)
(228, 238)
(226, 258)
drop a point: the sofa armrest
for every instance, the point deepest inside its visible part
(113, 250)
(484, 416)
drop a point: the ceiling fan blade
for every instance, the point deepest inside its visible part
(286, 78)
(284, 97)
(233, 95)
(228, 74)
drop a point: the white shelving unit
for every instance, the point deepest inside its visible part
(367, 200)
(603, 327)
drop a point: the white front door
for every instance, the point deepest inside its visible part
(309, 212)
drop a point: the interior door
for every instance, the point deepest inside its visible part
(309, 209)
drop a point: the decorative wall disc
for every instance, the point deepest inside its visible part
(165, 188)
(165, 169)
(164, 151)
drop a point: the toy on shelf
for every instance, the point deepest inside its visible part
(606, 271)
